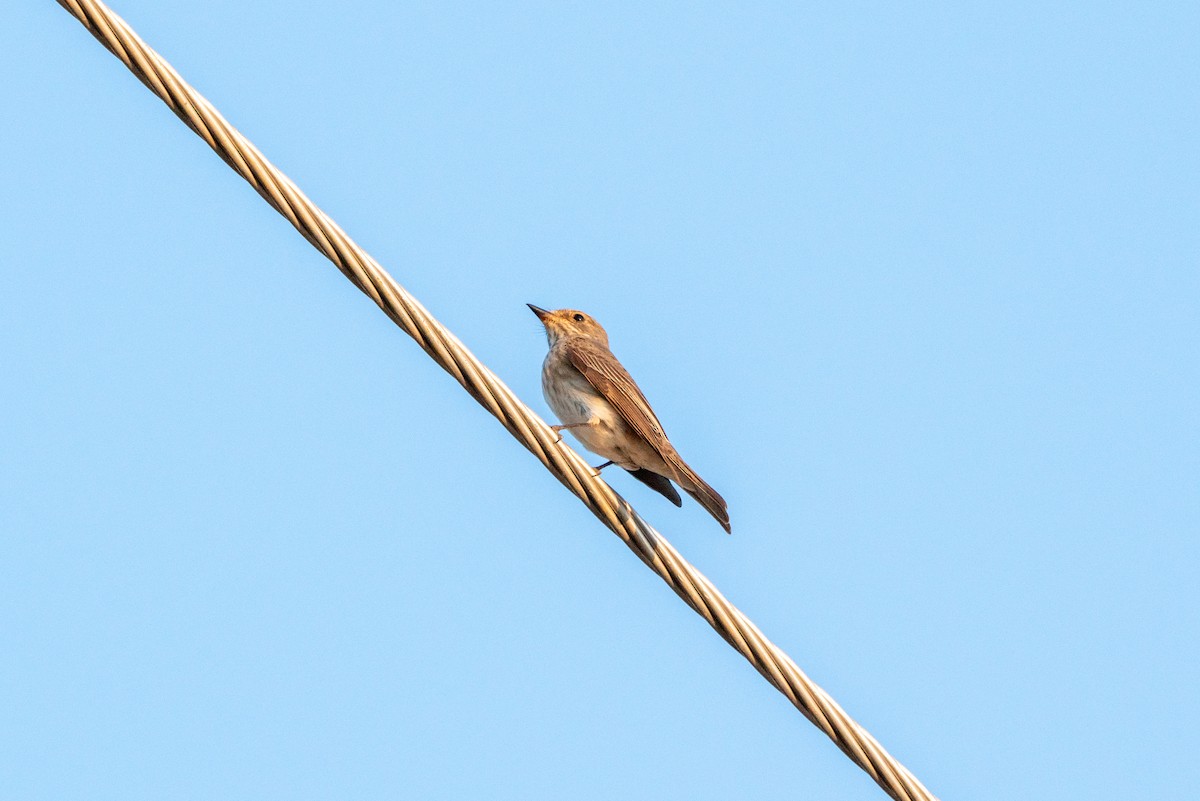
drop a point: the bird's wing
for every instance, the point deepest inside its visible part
(613, 382)
(660, 484)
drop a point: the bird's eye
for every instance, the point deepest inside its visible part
(579, 318)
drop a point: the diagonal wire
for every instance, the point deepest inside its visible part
(529, 429)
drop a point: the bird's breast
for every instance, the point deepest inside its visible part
(569, 394)
(574, 400)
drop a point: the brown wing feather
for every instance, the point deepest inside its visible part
(611, 380)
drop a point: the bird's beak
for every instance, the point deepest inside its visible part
(539, 311)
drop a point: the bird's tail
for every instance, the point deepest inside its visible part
(695, 486)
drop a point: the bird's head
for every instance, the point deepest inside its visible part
(564, 323)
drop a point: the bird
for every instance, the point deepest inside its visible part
(597, 400)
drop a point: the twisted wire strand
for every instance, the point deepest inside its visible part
(527, 427)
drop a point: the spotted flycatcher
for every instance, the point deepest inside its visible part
(597, 399)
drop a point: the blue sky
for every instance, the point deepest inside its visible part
(914, 288)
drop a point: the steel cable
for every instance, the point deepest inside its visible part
(526, 426)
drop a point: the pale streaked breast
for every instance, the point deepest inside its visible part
(574, 400)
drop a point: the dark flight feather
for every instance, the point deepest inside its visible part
(660, 484)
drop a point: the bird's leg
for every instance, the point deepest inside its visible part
(572, 425)
(601, 467)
